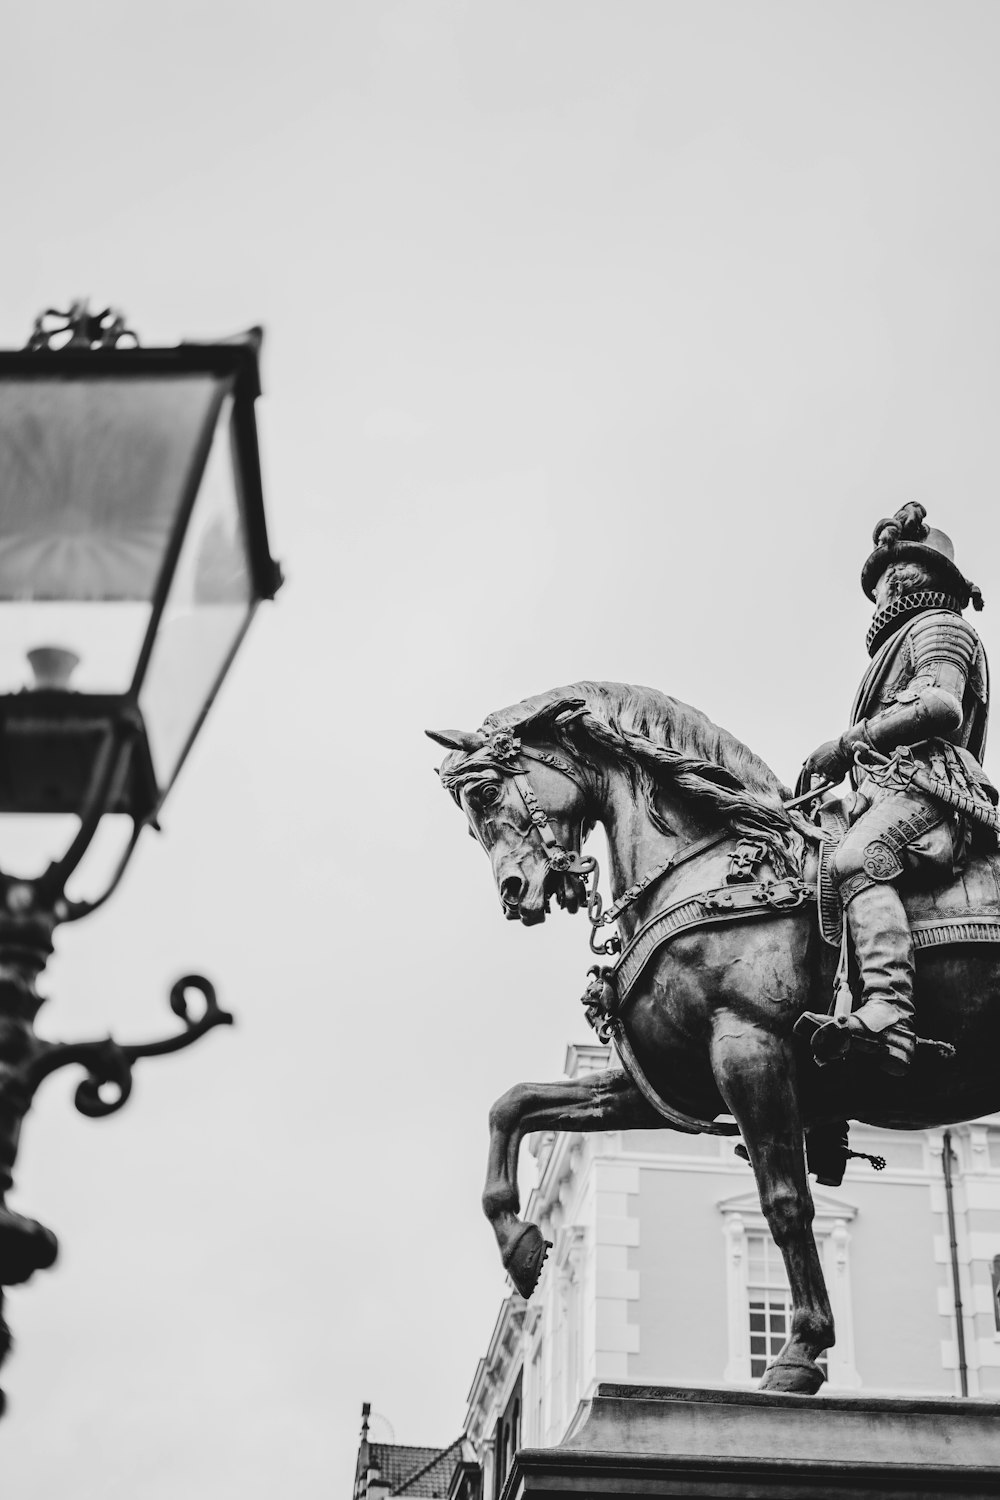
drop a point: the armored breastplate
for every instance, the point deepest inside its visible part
(910, 660)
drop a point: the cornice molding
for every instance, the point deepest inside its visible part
(746, 1206)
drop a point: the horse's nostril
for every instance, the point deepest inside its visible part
(511, 889)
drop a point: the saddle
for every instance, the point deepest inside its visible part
(964, 909)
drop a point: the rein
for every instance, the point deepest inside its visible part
(595, 907)
(507, 750)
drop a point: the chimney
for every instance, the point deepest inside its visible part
(364, 1454)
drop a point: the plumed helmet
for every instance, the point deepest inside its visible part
(905, 538)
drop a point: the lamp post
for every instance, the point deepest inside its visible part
(133, 553)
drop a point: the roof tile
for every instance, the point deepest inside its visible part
(419, 1473)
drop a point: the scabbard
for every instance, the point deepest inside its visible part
(971, 807)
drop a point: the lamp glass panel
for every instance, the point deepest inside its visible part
(92, 476)
(206, 609)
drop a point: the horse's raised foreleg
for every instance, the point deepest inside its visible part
(755, 1073)
(600, 1101)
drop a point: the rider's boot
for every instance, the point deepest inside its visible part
(883, 1023)
(826, 1152)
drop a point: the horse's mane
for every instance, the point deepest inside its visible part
(662, 742)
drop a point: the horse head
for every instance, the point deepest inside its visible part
(527, 804)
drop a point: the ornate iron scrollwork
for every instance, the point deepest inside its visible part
(26, 1060)
(109, 1062)
(87, 330)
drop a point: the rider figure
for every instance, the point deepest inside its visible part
(927, 687)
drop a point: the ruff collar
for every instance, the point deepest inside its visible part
(888, 620)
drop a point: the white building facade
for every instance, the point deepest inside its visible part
(662, 1272)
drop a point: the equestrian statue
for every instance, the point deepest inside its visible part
(783, 963)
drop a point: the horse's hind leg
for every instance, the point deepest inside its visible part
(600, 1101)
(755, 1072)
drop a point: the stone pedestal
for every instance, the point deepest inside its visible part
(750, 1445)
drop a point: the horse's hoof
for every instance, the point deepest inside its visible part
(799, 1377)
(524, 1257)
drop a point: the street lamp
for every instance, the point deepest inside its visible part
(133, 553)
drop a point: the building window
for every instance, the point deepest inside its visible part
(769, 1302)
(538, 1435)
(759, 1302)
(506, 1439)
(995, 1278)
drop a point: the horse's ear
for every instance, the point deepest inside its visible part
(558, 713)
(569, 714)
(456, 739)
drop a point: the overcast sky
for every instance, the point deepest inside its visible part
(599, 336)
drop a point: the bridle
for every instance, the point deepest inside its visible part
(506, 748)
(504, 752)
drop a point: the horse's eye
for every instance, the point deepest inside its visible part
(489, 794)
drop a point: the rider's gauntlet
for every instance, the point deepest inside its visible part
(930, 713)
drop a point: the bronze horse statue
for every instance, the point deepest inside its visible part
(713, 881)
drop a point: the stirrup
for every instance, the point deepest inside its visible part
(827, 1035)
(831, 1037)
